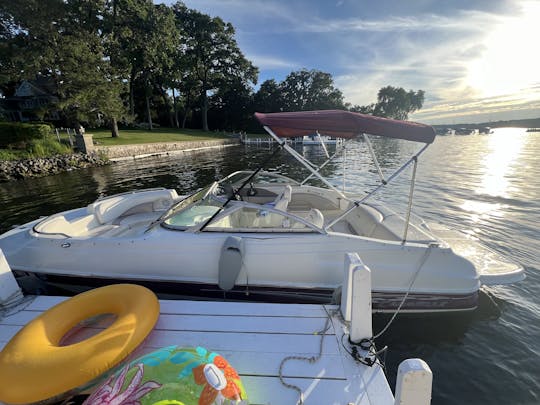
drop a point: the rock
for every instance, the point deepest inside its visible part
(13, 170)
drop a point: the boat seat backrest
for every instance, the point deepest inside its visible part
(108, 209)
(316, 217)
(59, 224)
(283, 199)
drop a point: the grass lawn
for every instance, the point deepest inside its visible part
(134, 136)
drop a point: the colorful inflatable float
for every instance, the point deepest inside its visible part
(173, 375)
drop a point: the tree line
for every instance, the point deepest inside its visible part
(133, 60)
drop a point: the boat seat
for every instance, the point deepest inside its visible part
(316, 217)
(284, 199)
(272, 219)
(108, 209)
(83, 226)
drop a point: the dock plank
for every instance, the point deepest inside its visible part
(262, 390)
(42, 303)
(255, 338)
(207, 323)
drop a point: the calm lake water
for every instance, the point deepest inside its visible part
(486, 185)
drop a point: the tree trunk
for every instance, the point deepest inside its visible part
(167, 104)
(175, 109)
(114, 128)
(185, 118)
(186, 109)
(148, 112)
(205, 111)
(131, 101)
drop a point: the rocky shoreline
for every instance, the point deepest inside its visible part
(38, 167)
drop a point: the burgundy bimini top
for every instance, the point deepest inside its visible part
(343, 124)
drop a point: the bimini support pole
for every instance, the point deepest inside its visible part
(392, 177)
(374, 157)
(336, 153)
(323, 145)
(307, 164)
(409, 207)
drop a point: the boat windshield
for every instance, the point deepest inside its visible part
(194, 214)
(198, 195)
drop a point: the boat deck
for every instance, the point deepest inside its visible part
(255, 338)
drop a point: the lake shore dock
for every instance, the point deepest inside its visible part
(284, 353)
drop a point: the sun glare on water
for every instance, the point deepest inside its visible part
(510, 60)
(499, 165)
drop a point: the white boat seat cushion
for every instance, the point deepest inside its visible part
(108, 209)
(282, 201)
(315, 217)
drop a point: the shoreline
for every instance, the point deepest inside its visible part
(141, 151)
(13, 170)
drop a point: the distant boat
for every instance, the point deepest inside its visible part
(533, 130)
(462, 131)
(486, 130)
(317, 139)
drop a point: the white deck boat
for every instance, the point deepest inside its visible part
(258, 235)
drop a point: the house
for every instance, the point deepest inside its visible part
(33, 101)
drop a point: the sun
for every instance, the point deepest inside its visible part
(510, 61)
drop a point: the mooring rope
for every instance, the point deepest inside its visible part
(309, 359)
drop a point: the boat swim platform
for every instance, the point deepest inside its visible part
(260, 339)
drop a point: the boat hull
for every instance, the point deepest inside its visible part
(382, 302)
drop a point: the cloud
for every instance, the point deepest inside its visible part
(269, 62)
(433, 46)
(508, 106)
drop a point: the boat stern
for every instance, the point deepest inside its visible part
(492, 267)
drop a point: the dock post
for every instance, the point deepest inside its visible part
(356, 298)
(414, 381)
(9, 289)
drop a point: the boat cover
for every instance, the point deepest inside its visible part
(343, 124)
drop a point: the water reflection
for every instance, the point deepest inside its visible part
(497, 169)
(505, 146)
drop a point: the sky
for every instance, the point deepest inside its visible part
(476, 60)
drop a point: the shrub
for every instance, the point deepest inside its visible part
(10, 155)
(47, 147)
(13, 134)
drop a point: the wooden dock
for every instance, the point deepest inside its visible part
(284, 353)
(255, 338)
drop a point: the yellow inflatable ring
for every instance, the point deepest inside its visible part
(34, 367)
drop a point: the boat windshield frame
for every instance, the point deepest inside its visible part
(262, 174)
(184, 203)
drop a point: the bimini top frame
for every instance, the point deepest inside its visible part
(346, 124)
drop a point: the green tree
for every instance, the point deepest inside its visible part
(143, 45)
(306, 90)
(29, 33)
(64, 42)
(364, 109)
(213, 57)
(232, 107)
(268, 98)
(396, 103)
